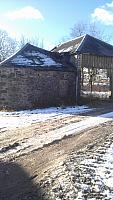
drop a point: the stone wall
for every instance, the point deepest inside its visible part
(23, 88)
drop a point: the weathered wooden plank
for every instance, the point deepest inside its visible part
(100, 62)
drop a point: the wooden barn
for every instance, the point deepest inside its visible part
(34, 77)
(93, 59)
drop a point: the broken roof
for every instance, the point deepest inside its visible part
(35, 57)
(86, 44)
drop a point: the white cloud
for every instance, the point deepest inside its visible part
(110, 5)
(27, 12)
(104, 14)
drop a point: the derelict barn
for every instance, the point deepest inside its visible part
(34, 77)
(94, 61)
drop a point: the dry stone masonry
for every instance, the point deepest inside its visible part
(34, 77)
(27, 88)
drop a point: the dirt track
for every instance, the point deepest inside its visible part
(25, 175)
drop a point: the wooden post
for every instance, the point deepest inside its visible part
(78, 80)
(111, 85)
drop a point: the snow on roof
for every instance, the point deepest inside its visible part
(21, 60)
(34, 59)
(66, 50)
(86, 44)
(69, 46)
(32, 56)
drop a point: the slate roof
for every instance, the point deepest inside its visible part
(70, 46)
(35, 57)
(86, 44)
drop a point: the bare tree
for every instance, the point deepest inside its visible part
(34, 41)
(81, 28)
(7, 45)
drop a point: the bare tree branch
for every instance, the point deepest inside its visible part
(81, 28)
(34, 41)
(7, 45)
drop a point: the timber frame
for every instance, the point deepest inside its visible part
(91, 53)
(97, 62)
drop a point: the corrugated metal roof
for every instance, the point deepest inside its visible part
(32, 56)
(86, 44)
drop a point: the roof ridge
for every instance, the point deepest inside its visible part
(81, 43)
(70, 40)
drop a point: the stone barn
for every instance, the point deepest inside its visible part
(93, 59)
(35, 77)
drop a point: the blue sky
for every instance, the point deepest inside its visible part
(51, 20)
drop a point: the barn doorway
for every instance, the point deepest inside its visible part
(95, 83)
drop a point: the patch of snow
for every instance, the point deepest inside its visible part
(35, 58)
(36, 61)
(21, 60)
(47, 61)
(82, 125)
(70, 48)
(66, 49)
(77, 127)
(39, 140)
(71, 40)
(103, 170)
(107, 166)
(96, 94)
(32, 53)
(61, 50)
(28, 117)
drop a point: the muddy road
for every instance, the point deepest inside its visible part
(33, 172)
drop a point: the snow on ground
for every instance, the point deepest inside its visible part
(102, 168)
(85, 175)
(28, 117)
(39, 140)
(95, 175)
(103, 95)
